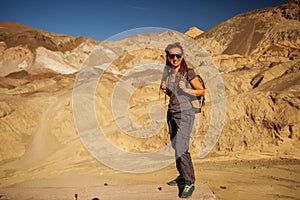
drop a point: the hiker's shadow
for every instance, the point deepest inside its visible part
(180, 187)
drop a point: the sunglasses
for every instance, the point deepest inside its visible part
(172, 56)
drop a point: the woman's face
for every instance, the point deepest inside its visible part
(175, 57)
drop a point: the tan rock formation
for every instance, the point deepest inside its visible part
(194, 32)
(266, 35)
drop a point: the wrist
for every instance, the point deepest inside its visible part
(186, 90)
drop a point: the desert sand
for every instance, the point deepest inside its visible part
(217, 178)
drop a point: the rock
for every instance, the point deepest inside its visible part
(194, 32)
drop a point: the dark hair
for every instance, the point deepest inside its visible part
(172, 46)
(183, 65)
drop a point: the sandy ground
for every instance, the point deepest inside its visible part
(55, 165)
(115, 192)
(217, 178)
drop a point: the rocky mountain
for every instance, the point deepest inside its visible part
(194, 32)
(25, 48)
(265, 35)
(257, 54)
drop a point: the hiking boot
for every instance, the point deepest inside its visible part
(177, 180)
(187, 191)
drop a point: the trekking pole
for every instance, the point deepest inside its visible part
(159, 93)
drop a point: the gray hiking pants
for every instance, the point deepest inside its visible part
(180, 128)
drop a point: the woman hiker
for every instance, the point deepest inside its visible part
(181, 84)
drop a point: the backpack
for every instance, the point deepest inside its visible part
(199, 101)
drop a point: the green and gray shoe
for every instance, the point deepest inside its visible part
(177, 180)
(187, 191)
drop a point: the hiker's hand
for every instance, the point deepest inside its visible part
(182, 85)
(163, 88)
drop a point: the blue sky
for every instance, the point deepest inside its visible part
(102, 19)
